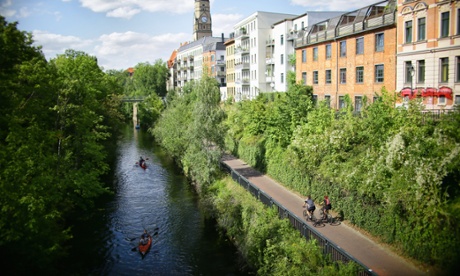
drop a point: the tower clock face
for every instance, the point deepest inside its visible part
(204, 19)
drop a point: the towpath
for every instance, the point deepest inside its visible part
(376, 257)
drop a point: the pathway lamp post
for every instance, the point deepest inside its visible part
(412, 73)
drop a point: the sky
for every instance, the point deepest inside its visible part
(123, 33)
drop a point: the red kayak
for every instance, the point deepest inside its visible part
(145, 246)
(144, 166)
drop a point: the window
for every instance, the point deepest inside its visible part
(442, 100)
(304, 77)
(379, 73)
(282, 77)
(360, 74)
(327, 100)
(408, 72)
(282, 39)
(421, 71)
(315, 53)
(421, 27)
(304, 56)
(303, 25)
(315, 77)
(343, 48)
(358, 103)
(444, 72)
(328, 76)
(379, 42)
(445, 18)
(360, 46)
(458, 22)
(408, 31)
(457, 74)
(328, 51)
(343, 75)
(457, 100)
(282, 58)
(315, 100)
(341, 102)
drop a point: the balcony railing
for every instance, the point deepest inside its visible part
(242, 65)
(241, 50)
(351, 23)
(269, 60)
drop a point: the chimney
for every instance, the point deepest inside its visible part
(223, 37)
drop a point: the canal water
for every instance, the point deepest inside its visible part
(160, 200)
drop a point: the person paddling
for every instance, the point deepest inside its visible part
(141, 162)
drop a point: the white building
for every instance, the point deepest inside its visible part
(264, 45)
(190, 60)
(280, 47)
(251, 35)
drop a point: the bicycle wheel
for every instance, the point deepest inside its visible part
(317, 222)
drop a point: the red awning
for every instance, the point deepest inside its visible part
(430, 92)
(446, 92)
(406, 92)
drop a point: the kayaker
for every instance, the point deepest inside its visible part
(141, 162)
(144, 237)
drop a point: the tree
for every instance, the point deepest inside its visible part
(149, 79)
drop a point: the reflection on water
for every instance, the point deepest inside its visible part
(156, 198)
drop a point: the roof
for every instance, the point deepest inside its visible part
(172, 58)
(202, 41)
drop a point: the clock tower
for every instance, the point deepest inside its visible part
(202, 18)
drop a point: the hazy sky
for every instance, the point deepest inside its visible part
(122, 33)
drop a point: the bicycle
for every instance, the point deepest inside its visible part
(316, 222)
(328, 218)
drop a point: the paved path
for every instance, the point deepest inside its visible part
(380, 260)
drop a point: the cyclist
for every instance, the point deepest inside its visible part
(326, 206)
(310, 205)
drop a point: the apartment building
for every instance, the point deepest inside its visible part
(214, 61)
(189, 59)
(251, 35)
(171, 63)
(428, 52)
(280, 46)
(229, 92)
(354, 54)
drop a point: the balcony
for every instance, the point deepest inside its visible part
(242, 65)
(270, 42)
(368, 18)
(221, 73)
(241, 33)
(244, 81)
(270, 60)
(241, 50)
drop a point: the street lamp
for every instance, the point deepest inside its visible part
(412, 73)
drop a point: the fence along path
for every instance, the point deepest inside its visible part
(342, 242)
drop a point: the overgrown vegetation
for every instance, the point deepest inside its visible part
(393, 172)
(148, 81)
(57, 122)
(192, 130)
(268, 243)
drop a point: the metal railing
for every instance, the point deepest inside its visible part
(329, 248)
